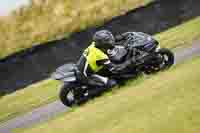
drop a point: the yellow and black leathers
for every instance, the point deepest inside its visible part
(94, 59)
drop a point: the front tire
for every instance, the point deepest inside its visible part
(167, 58)
(163, 61)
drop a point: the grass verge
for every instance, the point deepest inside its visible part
(181, 35)
(167, 102)
(27, 99)
(46, 91)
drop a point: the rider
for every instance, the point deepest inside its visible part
(96, 57)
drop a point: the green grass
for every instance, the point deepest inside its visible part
(25, 100)
(46, 91)
(181, 35)
(49, 20)
(164, 103)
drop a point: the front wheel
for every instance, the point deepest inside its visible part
(164, 60)
(167, 58)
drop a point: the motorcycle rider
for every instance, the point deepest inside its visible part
(96, 57)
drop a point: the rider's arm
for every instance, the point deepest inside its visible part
(121, 38)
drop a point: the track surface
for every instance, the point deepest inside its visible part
(49, 111)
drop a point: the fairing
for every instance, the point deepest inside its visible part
(65, 73)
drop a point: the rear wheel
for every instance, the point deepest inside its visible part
(67, 95)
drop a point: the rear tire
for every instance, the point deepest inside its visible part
(67, 95)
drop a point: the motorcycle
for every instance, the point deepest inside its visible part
(76, 89)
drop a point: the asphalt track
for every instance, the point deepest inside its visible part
(51, 110)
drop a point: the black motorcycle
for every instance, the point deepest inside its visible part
(75, 89)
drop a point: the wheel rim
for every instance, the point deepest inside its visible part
(166, 58)
(70, 96)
